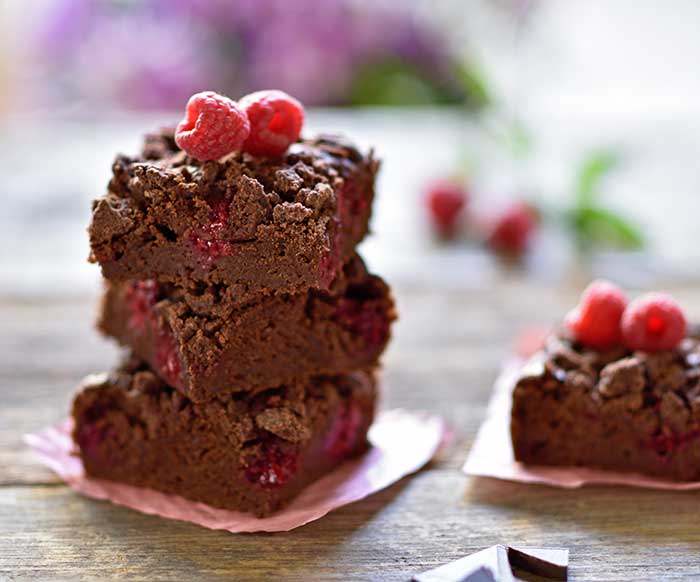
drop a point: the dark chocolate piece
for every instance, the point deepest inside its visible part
(495, 564)
(249, 453)
(546, 562)
(263, 226)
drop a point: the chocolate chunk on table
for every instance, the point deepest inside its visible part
(495, 564)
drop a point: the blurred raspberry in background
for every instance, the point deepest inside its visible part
(445, 200)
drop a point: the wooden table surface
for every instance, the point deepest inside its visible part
(445, 356)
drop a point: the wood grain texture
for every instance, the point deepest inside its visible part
(446, 354)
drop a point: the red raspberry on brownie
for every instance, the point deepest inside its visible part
(213, 127)
(595, 322)
(653, 323)
(275, 122)
(445, 200)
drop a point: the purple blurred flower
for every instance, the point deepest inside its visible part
(158, 52)
(144, 61)
(222, 15)
(308, 53)
(162, 65)
(65, 24)
(315, 50)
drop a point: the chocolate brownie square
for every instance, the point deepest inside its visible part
(263, 226)
(248, 452)
(617, 410)
(201, 341)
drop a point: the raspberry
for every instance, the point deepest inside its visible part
(209, 241)
(445, 200)
(167, 358)
(275, 122)
(595, 322)
(90, 438)
(511, 232)
(213, 127)
(666, 443)
(273, 467)
(330, 262)
(360, 318)
(212, 249)
(344, 432)
(353, 202)
(653, 323)
(141, 297)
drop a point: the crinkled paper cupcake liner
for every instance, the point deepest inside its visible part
(402, 442)
(492, 452)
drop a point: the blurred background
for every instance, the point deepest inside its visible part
(541, 140)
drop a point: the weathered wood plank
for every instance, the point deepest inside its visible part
(445, 357)
(434, 517)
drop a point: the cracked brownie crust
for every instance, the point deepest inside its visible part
(201, 341)
(264, 226)
(249, 452)
(618, 410)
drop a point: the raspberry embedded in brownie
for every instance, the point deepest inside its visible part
(366, 322)
(250, 452)
(167, 357)
(269, 226)
(209, 240)
(272, 467)
(90, 438)
(345, 430)
(614, 409)
(141, 298)
(202, 341)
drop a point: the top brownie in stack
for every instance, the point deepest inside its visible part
(259, 225)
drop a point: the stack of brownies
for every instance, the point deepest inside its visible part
(253, 328)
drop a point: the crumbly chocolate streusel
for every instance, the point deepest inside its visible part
(263, 225)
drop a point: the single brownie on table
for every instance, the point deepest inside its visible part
(202, 342)
(262, 225)
(248, 452)
(616, 409)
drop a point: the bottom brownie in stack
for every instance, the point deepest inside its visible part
(248, 452)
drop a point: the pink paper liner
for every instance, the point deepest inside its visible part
(402, 442)
(492, 452)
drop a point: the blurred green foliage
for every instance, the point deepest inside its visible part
(593, 225)
(396, 82)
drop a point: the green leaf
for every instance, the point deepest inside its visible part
(594, 168)
(596, 226)
(391, 83)
(474, 84)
